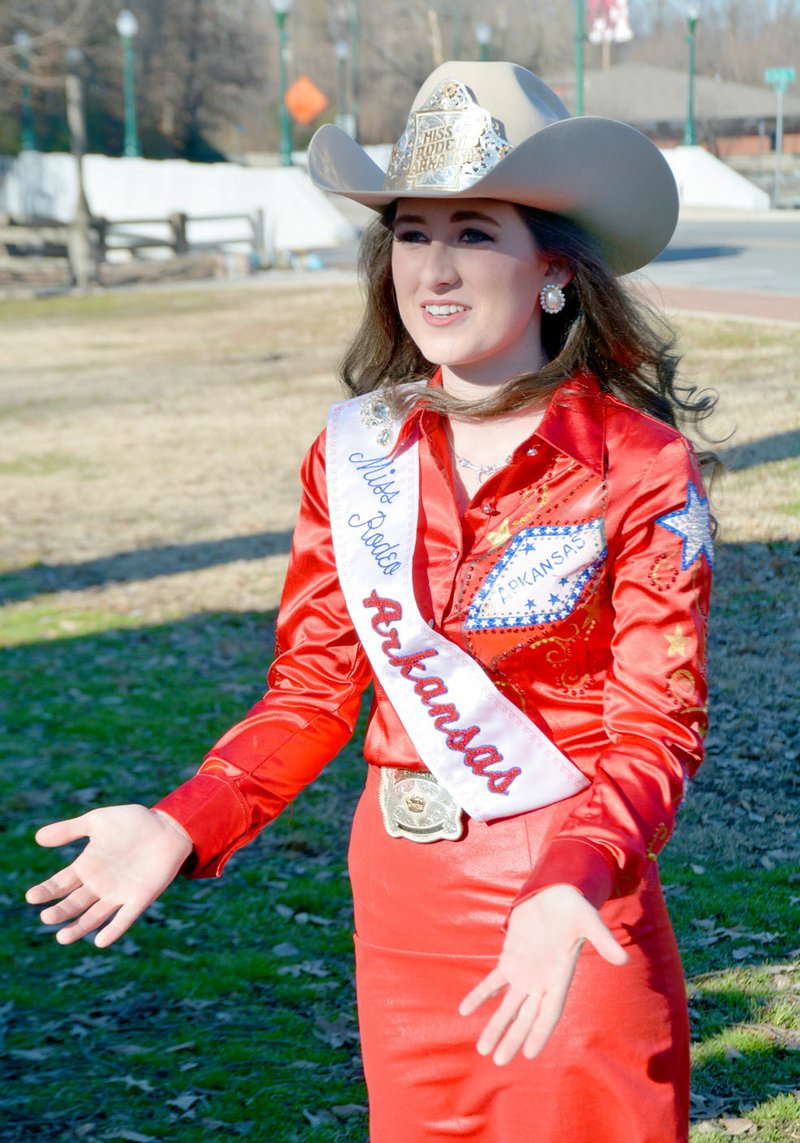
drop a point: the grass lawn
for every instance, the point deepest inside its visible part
(149, 476)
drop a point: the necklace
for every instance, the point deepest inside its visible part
(483, 470)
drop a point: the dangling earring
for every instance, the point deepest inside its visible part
(552, 298)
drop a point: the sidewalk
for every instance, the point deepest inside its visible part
(758, 305)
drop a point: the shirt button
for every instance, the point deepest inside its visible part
(533, 451)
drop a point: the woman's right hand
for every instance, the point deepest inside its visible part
(132, 856)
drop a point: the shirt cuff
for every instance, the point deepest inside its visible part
(212, 812)
(568, 861)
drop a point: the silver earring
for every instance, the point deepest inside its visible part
(552, 298)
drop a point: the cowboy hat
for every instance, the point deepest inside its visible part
(495, 130)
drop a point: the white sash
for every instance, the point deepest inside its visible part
(492, 759)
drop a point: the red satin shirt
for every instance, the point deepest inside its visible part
(612, 669)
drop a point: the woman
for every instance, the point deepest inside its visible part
(508, 535)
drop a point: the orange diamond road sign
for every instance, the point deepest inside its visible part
(304, 100)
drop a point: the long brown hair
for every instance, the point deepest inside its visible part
(602, 329)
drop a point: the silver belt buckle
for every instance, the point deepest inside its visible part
(416, 807)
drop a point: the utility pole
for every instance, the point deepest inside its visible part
(355, 65)
(82, 255)
(579, 38)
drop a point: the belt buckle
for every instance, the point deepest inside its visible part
(415, 806)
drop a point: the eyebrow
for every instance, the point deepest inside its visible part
(456, 216)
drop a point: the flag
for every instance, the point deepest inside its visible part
(609, 21)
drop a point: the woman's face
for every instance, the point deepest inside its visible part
(467, 275)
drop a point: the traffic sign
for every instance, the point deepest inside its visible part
(304, 100)
(779, 77)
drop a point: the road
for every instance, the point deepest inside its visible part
(743, 265)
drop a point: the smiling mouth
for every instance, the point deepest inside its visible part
(444, 311)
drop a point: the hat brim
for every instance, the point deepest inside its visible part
(604, 175)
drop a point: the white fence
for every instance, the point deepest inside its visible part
(297, 217)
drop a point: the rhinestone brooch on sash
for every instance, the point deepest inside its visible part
(449, 144)
(376, 414)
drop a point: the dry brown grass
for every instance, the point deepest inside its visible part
(179, 416)
(756, 370)
(178, 419)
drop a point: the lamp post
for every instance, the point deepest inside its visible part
(127, 27)
(579, 38)
(483, 34)
(22, 43)
(690, 135)
(282, 8)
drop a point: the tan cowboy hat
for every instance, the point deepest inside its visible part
(495, 130)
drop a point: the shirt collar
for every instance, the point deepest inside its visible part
(574, 422)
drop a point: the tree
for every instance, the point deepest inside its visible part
(197, 59)
(51, 29)
(194, 61)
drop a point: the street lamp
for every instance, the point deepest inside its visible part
(690, 135)
(342, 56)
(282, 8)
(128, 26)
(22, 42)
(483, 34)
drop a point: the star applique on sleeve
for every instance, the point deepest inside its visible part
(677, 641)
(693, 524)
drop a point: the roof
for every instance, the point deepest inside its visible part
(643, 94)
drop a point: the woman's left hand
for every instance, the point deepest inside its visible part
(544, 938)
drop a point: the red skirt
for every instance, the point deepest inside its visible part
(429, 923)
